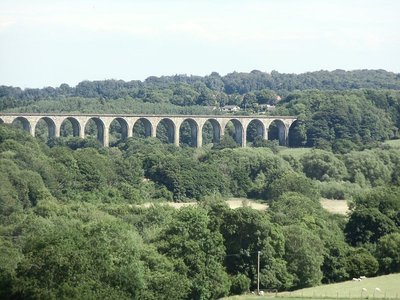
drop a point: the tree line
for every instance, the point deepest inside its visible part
(214, 89)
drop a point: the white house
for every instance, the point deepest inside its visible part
(230, 108)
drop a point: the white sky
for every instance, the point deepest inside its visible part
(46, 43)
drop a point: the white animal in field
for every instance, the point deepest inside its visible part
(363, 277)
(261, 293)
(364, 290)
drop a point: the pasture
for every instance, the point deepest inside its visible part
(381, 287)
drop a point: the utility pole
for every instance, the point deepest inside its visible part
(258, 272)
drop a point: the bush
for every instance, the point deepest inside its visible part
(360, 262)
(338, 190)
(388, 253)
(260, 142)
(240, 284)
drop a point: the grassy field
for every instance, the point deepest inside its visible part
(333, 206)
(393, 143)
(296, 152)
(382, 287)
(340, 207)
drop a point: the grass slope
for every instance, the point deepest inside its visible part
(393, 143)
(333, 206)
(389, 286)
(295, 152)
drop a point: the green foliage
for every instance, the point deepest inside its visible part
(336, 110)
(188, 238)
(293, 208)
(240, 284)
(246, 232)
(366, 168)
(304, 254)
(335, 267)
(323, 165)
(227, 141)
(373, 215)
(71, 226)
(163, 278)
(260, 142)
(360, 262)
(388, 253)
(70, 258)
(339, 190)
(368, 225)
(293, 182)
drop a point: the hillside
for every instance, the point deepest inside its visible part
(383, 287)
(73, 216)
(386, 286)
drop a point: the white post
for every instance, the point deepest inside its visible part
(258, 272)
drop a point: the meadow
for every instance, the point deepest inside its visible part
(381, 287)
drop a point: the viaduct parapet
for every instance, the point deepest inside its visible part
(173, 124)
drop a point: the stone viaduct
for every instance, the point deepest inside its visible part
(173, 123)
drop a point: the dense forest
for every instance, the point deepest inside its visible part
(73, 222)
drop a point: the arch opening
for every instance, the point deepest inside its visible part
(188, 132)
(70, 127)
(297, 134)
(142, 128)
(22, 123)
(94, 129)
(45, 129)
(1, 121)
(118, 130)
(166, 131)
(234, 131)
(255, 131)
(211, 132)
(277, 131)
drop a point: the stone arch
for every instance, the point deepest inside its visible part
(75, 127)
(51, 127)
(193, 138)
(216, 131)
(238, 135)
(118, 129)
(25, 124)
(168, 134)
(255, 129)
(277, 130)
(101, 133)
(142, 127)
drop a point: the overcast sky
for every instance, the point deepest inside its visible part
(46, 43)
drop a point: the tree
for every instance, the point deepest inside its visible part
(373, 215)
(368, 225)
(304, 256)
(369, 166)
(323, 165)
(64, 257)
(293, 182)
(226, 142)
(361, 263)
(188, 238)
(246, 232)
(294, 208)
(388, 253)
